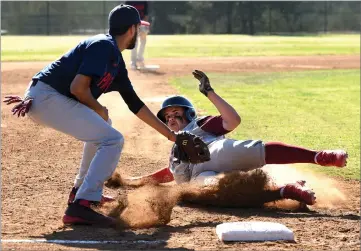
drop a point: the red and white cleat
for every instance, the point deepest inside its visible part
(336, 158)
(81, 213)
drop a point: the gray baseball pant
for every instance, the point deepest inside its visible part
(232, 155)
(103, 144)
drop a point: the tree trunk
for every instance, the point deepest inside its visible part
(229, 17)
(250, 18)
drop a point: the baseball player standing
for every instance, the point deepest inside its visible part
(64, 96)
(137, 54)
(230, 154)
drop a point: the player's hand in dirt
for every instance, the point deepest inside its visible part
(19, 109)
(103, 113)
(204, 84)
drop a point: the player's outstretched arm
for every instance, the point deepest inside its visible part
(231, 118)
(148, 117)
(161, 176)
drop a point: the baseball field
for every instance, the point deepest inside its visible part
(301, 90)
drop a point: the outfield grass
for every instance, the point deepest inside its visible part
(314, 109)
(45, 48)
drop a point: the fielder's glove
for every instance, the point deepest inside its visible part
(22, 108)
(204, 84)
(190, 148)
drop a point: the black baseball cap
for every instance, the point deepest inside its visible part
(124, 15)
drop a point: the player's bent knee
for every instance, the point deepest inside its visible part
(121, 140)
(110, 122)
(118, 139)
(114, 139)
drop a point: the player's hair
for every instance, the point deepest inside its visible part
(119, 30)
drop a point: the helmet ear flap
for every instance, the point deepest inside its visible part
(190, 114)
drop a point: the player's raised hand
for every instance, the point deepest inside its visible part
(204, 84)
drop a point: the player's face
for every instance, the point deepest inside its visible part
(175, 118)
(134, 38)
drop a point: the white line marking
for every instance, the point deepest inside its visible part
(80, 242)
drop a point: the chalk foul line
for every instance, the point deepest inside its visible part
(89, 242)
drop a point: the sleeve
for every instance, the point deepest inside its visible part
(213, 124)
(162, 176)
(95, 59)
(126, 90)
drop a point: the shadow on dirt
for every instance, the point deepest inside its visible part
(273, 213)
(110, 239)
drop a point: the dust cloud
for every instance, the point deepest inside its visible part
(149, 204)
(326, 189)
(145, 207)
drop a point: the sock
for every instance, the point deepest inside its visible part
(83, 202)
(280, 153)
(281, 191)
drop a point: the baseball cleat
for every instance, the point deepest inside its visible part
(103, 200)
(140, 65)
(133, 67)
(297, 191)
(336, 158)
(80, 213)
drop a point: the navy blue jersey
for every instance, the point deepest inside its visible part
(97, 57)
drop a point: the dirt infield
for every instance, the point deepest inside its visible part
(39, 165)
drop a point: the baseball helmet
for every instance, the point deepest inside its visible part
(190, 112)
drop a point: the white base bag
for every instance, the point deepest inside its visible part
(151, 67)
(253, 231)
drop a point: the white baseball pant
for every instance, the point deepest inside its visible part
(137, 54)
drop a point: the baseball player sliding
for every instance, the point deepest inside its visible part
(231, 154)
(64, 96)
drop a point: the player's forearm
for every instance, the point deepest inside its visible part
(231, 118)
(85, 97)
(148, 117)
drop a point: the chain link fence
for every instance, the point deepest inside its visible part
(80, 17)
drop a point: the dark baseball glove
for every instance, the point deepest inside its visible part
(204, 84)
(190, 148)
(22, 108)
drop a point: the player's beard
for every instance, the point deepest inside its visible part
(133, 41)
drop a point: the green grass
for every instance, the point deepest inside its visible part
(30, 48)
(314, 109)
